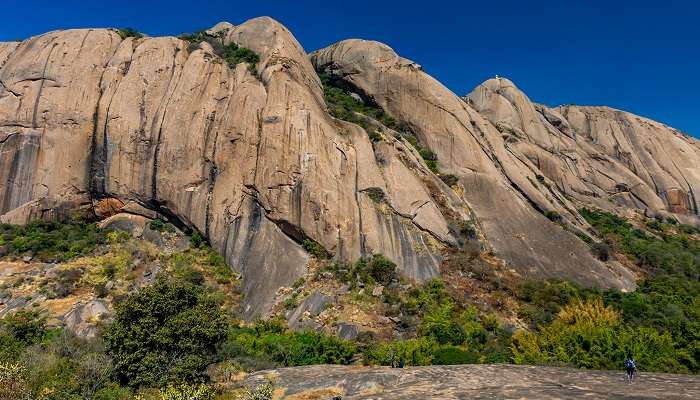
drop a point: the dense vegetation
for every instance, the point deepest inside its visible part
(658, 323)
(168, 339)
(447, 333)
(165, 332)
(50, 240)
(232, 53)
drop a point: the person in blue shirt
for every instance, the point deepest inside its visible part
(631, 368)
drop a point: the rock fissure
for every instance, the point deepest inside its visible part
(41, 86)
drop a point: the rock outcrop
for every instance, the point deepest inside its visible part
(471, 382)
(598, 155)
(498, 185)
(253, 160)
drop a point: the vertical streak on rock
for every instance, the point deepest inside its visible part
(213, 171)
(359, 207)
(171, 89)
(41, 84)
(96, 179)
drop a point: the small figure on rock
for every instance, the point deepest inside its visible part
(631, 368)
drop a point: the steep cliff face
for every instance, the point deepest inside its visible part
(499, 185)
(89, 120)
(252, 161)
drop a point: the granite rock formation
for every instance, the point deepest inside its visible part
(471, 382)
(253, 160)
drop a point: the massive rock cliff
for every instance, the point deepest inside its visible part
(252, 158)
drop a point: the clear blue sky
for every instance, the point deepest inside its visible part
(640, 56)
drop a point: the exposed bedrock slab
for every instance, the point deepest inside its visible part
(473, 382)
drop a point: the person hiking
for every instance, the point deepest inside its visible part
(631, 368)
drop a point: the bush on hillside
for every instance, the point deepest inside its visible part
(315, 249)
(129, 32)
(13, 381)
(52, 240)
(591, 335)
(234, 55)
(272, 341)
(601, 250)
(164, 333)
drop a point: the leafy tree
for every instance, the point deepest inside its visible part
(166, 332)
(592, 335)
(19, 331)
(438, 323)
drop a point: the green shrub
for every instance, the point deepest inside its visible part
(432, 166)
(454, 355)
(539, 178)
(427, 155)
(274, 342)
(376, 194)
(375, 268)
(160, 226)
(449, 179)
(543, 300)
(18, 331)
(601, 250)
(129, 32)
(343, 106)
(412, 352)
(290, 303)
(587, 239)
(688, 229)
(669, 254)
(374, 136)
(164, 333)
(112, 391)
(315, 249)
(234, 55)
(438, 323)
(553, 216)
(52, 240)
(590, 335)
(197, 240)
(222, 272)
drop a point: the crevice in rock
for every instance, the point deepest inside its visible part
(213, 171)
(82, 43)
(96, 177)
(363, 246)
(171, 89)
(6, 138)
(41, 84)
(4, 86)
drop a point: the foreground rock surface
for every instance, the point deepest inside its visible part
(473, 382)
